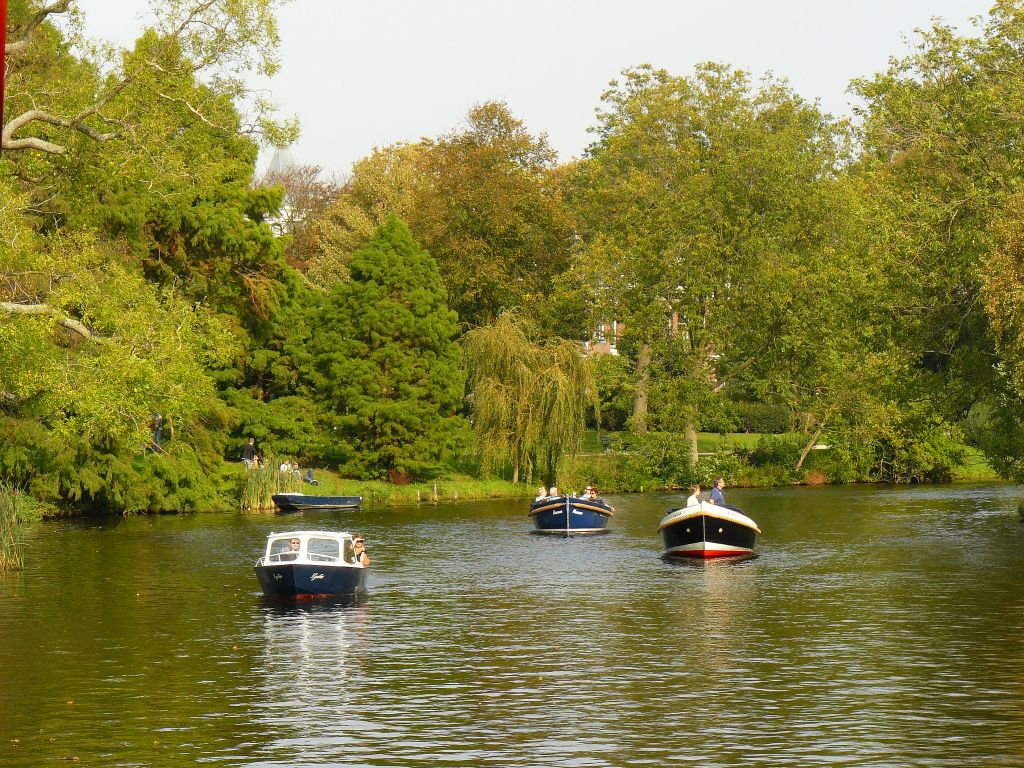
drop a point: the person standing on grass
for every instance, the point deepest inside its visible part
(249, 454)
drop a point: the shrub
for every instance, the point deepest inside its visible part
(659, 458)
(780, 451)
(767, 418)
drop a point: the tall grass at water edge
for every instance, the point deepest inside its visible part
(263, 481)
(16, 509)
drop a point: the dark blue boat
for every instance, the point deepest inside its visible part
(303, 564)
(297, 502)
(570, 515)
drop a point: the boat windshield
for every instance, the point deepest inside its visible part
(318, 549)
(324, 550)
(279, 546)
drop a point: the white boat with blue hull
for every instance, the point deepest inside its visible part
(570, 515)
(304, 564)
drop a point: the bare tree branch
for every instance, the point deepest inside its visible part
(70, 323)
(37, 115)
(12, 49)
(77, 123)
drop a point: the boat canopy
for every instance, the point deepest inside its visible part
(314, 547)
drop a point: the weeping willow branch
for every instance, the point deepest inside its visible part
(529, 401)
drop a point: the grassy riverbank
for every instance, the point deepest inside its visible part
(259, 487)
(610, 471)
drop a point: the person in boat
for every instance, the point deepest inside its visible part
(542, 493)
(694, 498)
(249, 454)
(359, 549)
(553, 491)
(716, 491)
(293, 550)
(590, 492)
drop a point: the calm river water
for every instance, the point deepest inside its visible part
(876, 627)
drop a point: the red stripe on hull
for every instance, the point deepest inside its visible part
(711, 553)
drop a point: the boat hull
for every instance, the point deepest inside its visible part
(299, 502)
(570, 516)
(707, 530)
(305, 580)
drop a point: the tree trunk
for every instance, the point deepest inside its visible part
(810, 444)
(691, 438)
(643, 366)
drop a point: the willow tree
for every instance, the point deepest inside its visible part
(529, 400)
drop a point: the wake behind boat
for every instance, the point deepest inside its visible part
(570, 515)
(298, 502)
(707, 530)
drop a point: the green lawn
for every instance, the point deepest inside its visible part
(975, 467)
(707, 442)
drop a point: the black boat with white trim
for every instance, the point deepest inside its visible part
(707, 530)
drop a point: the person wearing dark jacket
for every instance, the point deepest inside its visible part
(249, 453)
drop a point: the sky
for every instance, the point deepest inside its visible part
(365, 74)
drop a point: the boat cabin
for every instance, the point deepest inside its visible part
(328, 547)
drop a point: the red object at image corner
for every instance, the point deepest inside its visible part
(3, 60)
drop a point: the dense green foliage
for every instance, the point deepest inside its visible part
(529, 401)
(389, 368)
(769, 269)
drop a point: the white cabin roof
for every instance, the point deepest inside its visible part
(308, 534)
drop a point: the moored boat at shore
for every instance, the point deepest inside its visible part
(707, 530)
(304, 564)
(570, 515)
(298, 502)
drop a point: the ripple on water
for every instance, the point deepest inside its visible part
(876, 627)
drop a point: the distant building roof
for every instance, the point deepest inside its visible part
(281, 161)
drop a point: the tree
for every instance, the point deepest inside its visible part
(306, 198)
(388, 367)
(698, 203)
(529, 401)
(486, 201)
(137, 260)
(89, 351)
(194, 37)
(940, 134)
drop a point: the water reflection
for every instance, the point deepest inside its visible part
(306, 649)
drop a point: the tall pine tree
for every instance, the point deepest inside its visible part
(390, 369)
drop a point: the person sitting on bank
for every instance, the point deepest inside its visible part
(694, 498)
(308, 477)
(716, 492)
(359, 550)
